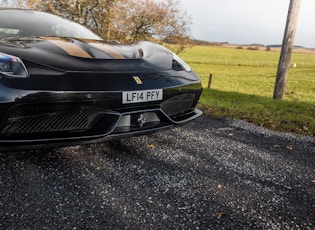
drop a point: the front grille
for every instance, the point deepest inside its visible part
(25, 119)
(178, 104)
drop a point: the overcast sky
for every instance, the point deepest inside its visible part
(249, 21)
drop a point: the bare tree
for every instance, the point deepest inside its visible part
(85, 12)
(124, 20)
(146, 19)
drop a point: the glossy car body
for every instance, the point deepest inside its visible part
(60, 86)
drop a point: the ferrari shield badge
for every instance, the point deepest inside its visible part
(137, 80)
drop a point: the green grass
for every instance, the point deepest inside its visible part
(287, 116)
(243, 83)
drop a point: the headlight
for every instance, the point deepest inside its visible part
(12, 66)
(181, 62)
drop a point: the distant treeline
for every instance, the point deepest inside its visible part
(209, 43)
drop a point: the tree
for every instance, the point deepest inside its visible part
(86, 12)
(151, 20)
(286, 50)
(124, 20)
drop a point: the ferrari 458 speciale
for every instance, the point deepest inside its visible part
(62, 84)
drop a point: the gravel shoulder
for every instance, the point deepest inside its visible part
(208, 174)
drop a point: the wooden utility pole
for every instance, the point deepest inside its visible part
(286, 50)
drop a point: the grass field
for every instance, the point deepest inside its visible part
(243, 82)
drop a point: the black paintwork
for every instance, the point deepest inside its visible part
(58, 78)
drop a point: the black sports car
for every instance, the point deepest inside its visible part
(62, 84)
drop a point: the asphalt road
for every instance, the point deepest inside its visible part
(208, 174)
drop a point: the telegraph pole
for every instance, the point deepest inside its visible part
(286, 50)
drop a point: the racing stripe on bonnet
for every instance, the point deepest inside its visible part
(106, 49)
(69, 47)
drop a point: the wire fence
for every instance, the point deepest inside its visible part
(254, 63)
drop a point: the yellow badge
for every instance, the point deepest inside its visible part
(137, 80)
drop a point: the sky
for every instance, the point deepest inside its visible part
(249, 21)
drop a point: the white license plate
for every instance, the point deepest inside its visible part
(142, 96)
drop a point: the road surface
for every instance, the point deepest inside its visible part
(208, 174)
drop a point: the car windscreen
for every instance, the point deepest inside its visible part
(23, 23)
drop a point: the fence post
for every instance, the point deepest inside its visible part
(210, 80)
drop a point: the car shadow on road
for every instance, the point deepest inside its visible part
(113, 184)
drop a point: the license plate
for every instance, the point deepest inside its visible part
(142, 96)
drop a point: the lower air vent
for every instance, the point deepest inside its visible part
(24, 119)
(178, 104)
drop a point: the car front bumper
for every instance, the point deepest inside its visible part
(44, 118)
